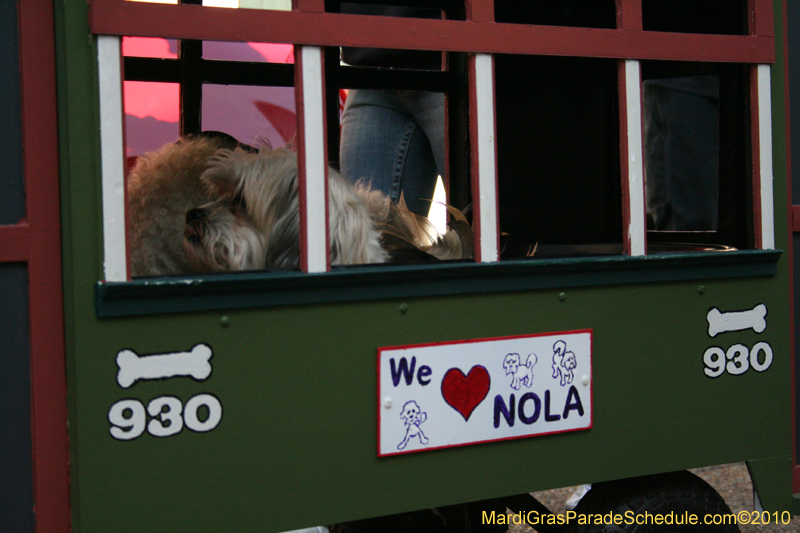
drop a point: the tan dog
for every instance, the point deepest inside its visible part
(162, 187)
(254, 223)
(205, 205)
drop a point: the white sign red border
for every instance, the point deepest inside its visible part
(459, 393)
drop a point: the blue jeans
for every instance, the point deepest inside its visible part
(394, 140)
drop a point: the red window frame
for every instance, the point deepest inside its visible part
(309, 26)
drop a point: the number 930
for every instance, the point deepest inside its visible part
(168, 416)
(737, 360)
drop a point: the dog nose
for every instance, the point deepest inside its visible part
(194, 215)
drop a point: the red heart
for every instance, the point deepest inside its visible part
(465, 393)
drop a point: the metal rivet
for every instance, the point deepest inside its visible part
(387, 403)
(701, 289)
(225, 321)
(585, 380)
(562, 296)
(403, 308)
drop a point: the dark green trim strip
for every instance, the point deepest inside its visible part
(249, 290)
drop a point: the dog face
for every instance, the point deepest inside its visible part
(569, 361)
(254, 222)
(410, 413)
(511, 363)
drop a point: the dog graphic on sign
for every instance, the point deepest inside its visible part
(412, 416)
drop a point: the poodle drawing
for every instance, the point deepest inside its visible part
(564, 363)
(521, 374)
(412, 417)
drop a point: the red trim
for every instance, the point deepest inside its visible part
(629, 14)
(480, 10)
(487, 339)
(446, 175)
(380, 400)
(48, 383)
(496, 171)
(796, 479)
(473, 160)
(502, 439)
(187, 21)
(15, 243)
(793, 226)
(755, 151)
(624, 163)
(301, 157)
(761, 18)
(794, 214)
(309, 6)
(129, 162)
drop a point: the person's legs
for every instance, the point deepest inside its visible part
(382, 144)
(427, 108)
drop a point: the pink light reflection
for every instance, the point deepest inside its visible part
(149, 47)
(152, 99)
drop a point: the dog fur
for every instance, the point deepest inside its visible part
(162, 186)
(207, 204)
(254, 223)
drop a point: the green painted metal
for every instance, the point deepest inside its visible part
(246, 290)
(772, 481)
(296, 445)
(297, 389)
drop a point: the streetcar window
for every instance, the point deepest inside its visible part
(690, 16)
(251, 52)
(558, 156)
(152, 116)
(578, 13)
(696, 134)
(561, 142)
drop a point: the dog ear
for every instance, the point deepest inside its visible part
(222, 177)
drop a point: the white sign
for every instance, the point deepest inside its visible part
(468, 392)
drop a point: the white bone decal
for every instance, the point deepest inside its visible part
(754, 319)
(133, 367)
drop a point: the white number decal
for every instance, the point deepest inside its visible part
(214, 413)
(171, 416)
(128, 418)
(757, 365)
(714, 358)
(737, 360)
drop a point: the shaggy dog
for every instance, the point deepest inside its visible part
(208, 204)
(162, 186)
(254, 223)
(521, 374)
